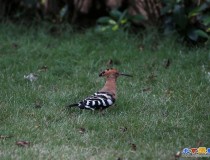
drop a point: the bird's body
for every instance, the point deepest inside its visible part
(105, 97)
(99, 100)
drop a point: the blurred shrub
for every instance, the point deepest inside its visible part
(31, 10)
(117, 20)
(190, 18)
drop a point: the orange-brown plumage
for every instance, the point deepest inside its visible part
(110, 84)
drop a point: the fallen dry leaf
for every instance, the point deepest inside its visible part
(141, 47)
(166, 63)
(43, 69)
(82, 130)
(38, 104)
(168, 92)
(151, 77)
(133, 146)
(55, 88)
(32, 114)
(15, 45)
(5, 136)
(23, 143)
(146, 89)
(37, 126)
(123, 129)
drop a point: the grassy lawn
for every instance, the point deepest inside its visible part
(161, 110)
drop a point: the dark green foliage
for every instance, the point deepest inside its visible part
(191, 19)
(33, 10)
(117, 20)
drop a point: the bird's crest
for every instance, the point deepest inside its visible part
(112, 71)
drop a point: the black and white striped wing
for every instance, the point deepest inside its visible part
(99, 100)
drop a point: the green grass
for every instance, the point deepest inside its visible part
(163, 109)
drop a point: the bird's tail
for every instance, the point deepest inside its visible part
(72, 105)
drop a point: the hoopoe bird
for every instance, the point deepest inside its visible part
(105, 97)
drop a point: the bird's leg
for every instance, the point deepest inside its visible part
(101, 111)
(81, 111)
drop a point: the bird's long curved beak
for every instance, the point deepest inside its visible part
(128, 75)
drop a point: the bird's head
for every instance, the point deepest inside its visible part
(111, 72)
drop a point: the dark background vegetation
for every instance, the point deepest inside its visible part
(188, 18)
